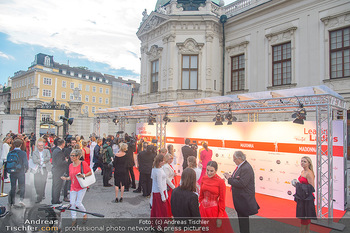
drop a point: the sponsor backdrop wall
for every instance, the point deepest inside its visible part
(274, 149)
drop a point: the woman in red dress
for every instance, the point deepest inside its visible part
(205, 156)
(212, 201)
(86, 152)
(306, 208)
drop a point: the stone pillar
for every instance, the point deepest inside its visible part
(75, 112)
(33, 103)
(2, 108)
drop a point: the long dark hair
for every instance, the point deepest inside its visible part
(213, 164)
(188, 180)
(205, 145)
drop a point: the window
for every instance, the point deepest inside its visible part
(45, 117)
(340, 53)
(100, 100)
(64, 84)
(86, 108)
(107, 91)
(72, 85)
(107, 101)
(86, 98)
(80, 86)
(94, 99)
(79, 97)
(101, 90)
(93, 109)
(189, 72)
(71, 96)
(47, 61)
(281, 64)
(47, 81)
(87, 88)
(154, 75)
(46, 93)
(63, 95)
(237, 72)
(93, 89)
(72, 73)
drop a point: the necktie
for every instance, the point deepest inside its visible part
(234, 172)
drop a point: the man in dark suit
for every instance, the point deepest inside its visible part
(187, 151)
(243, 190)
(59, 167)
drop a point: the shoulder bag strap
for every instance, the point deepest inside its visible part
(81, 168)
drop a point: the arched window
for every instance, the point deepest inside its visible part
(47, 61)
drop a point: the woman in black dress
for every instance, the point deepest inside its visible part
(120, 172)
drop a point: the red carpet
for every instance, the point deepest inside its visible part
(274, 208)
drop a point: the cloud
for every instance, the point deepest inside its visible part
(98, 30)
(6, 56)
(102, 31)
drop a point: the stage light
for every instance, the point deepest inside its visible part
(299, 115)
(151, 119)
(229, 117)
(166, 119)
(115, 120)
(218, 118)
(69, 120)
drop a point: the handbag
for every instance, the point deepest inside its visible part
(86, 181)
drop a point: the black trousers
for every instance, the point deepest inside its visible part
(243, 223)
(106, 173)
(130, 173)
(57, 184)
(40, 179)
(146, 184)
(21, 177)
(96, 165)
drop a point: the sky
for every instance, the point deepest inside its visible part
(98, 34)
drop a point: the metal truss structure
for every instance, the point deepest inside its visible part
(273, 105)
(328, 107)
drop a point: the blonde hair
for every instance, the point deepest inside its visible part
(163, 150)
(84, 143)
(167, 157)
(310, 163)
(192, 162)
(123, 147)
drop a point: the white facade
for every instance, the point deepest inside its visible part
(254, 29)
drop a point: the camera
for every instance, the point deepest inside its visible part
(194, 145)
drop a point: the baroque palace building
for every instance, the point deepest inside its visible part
(197, 49)
(57, 81)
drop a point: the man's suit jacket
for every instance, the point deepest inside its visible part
(187, 151)
(46, 155)
(243, 190)
(59, 164)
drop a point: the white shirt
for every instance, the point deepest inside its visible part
(169, 172)
(5, 151)
(159, 182)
